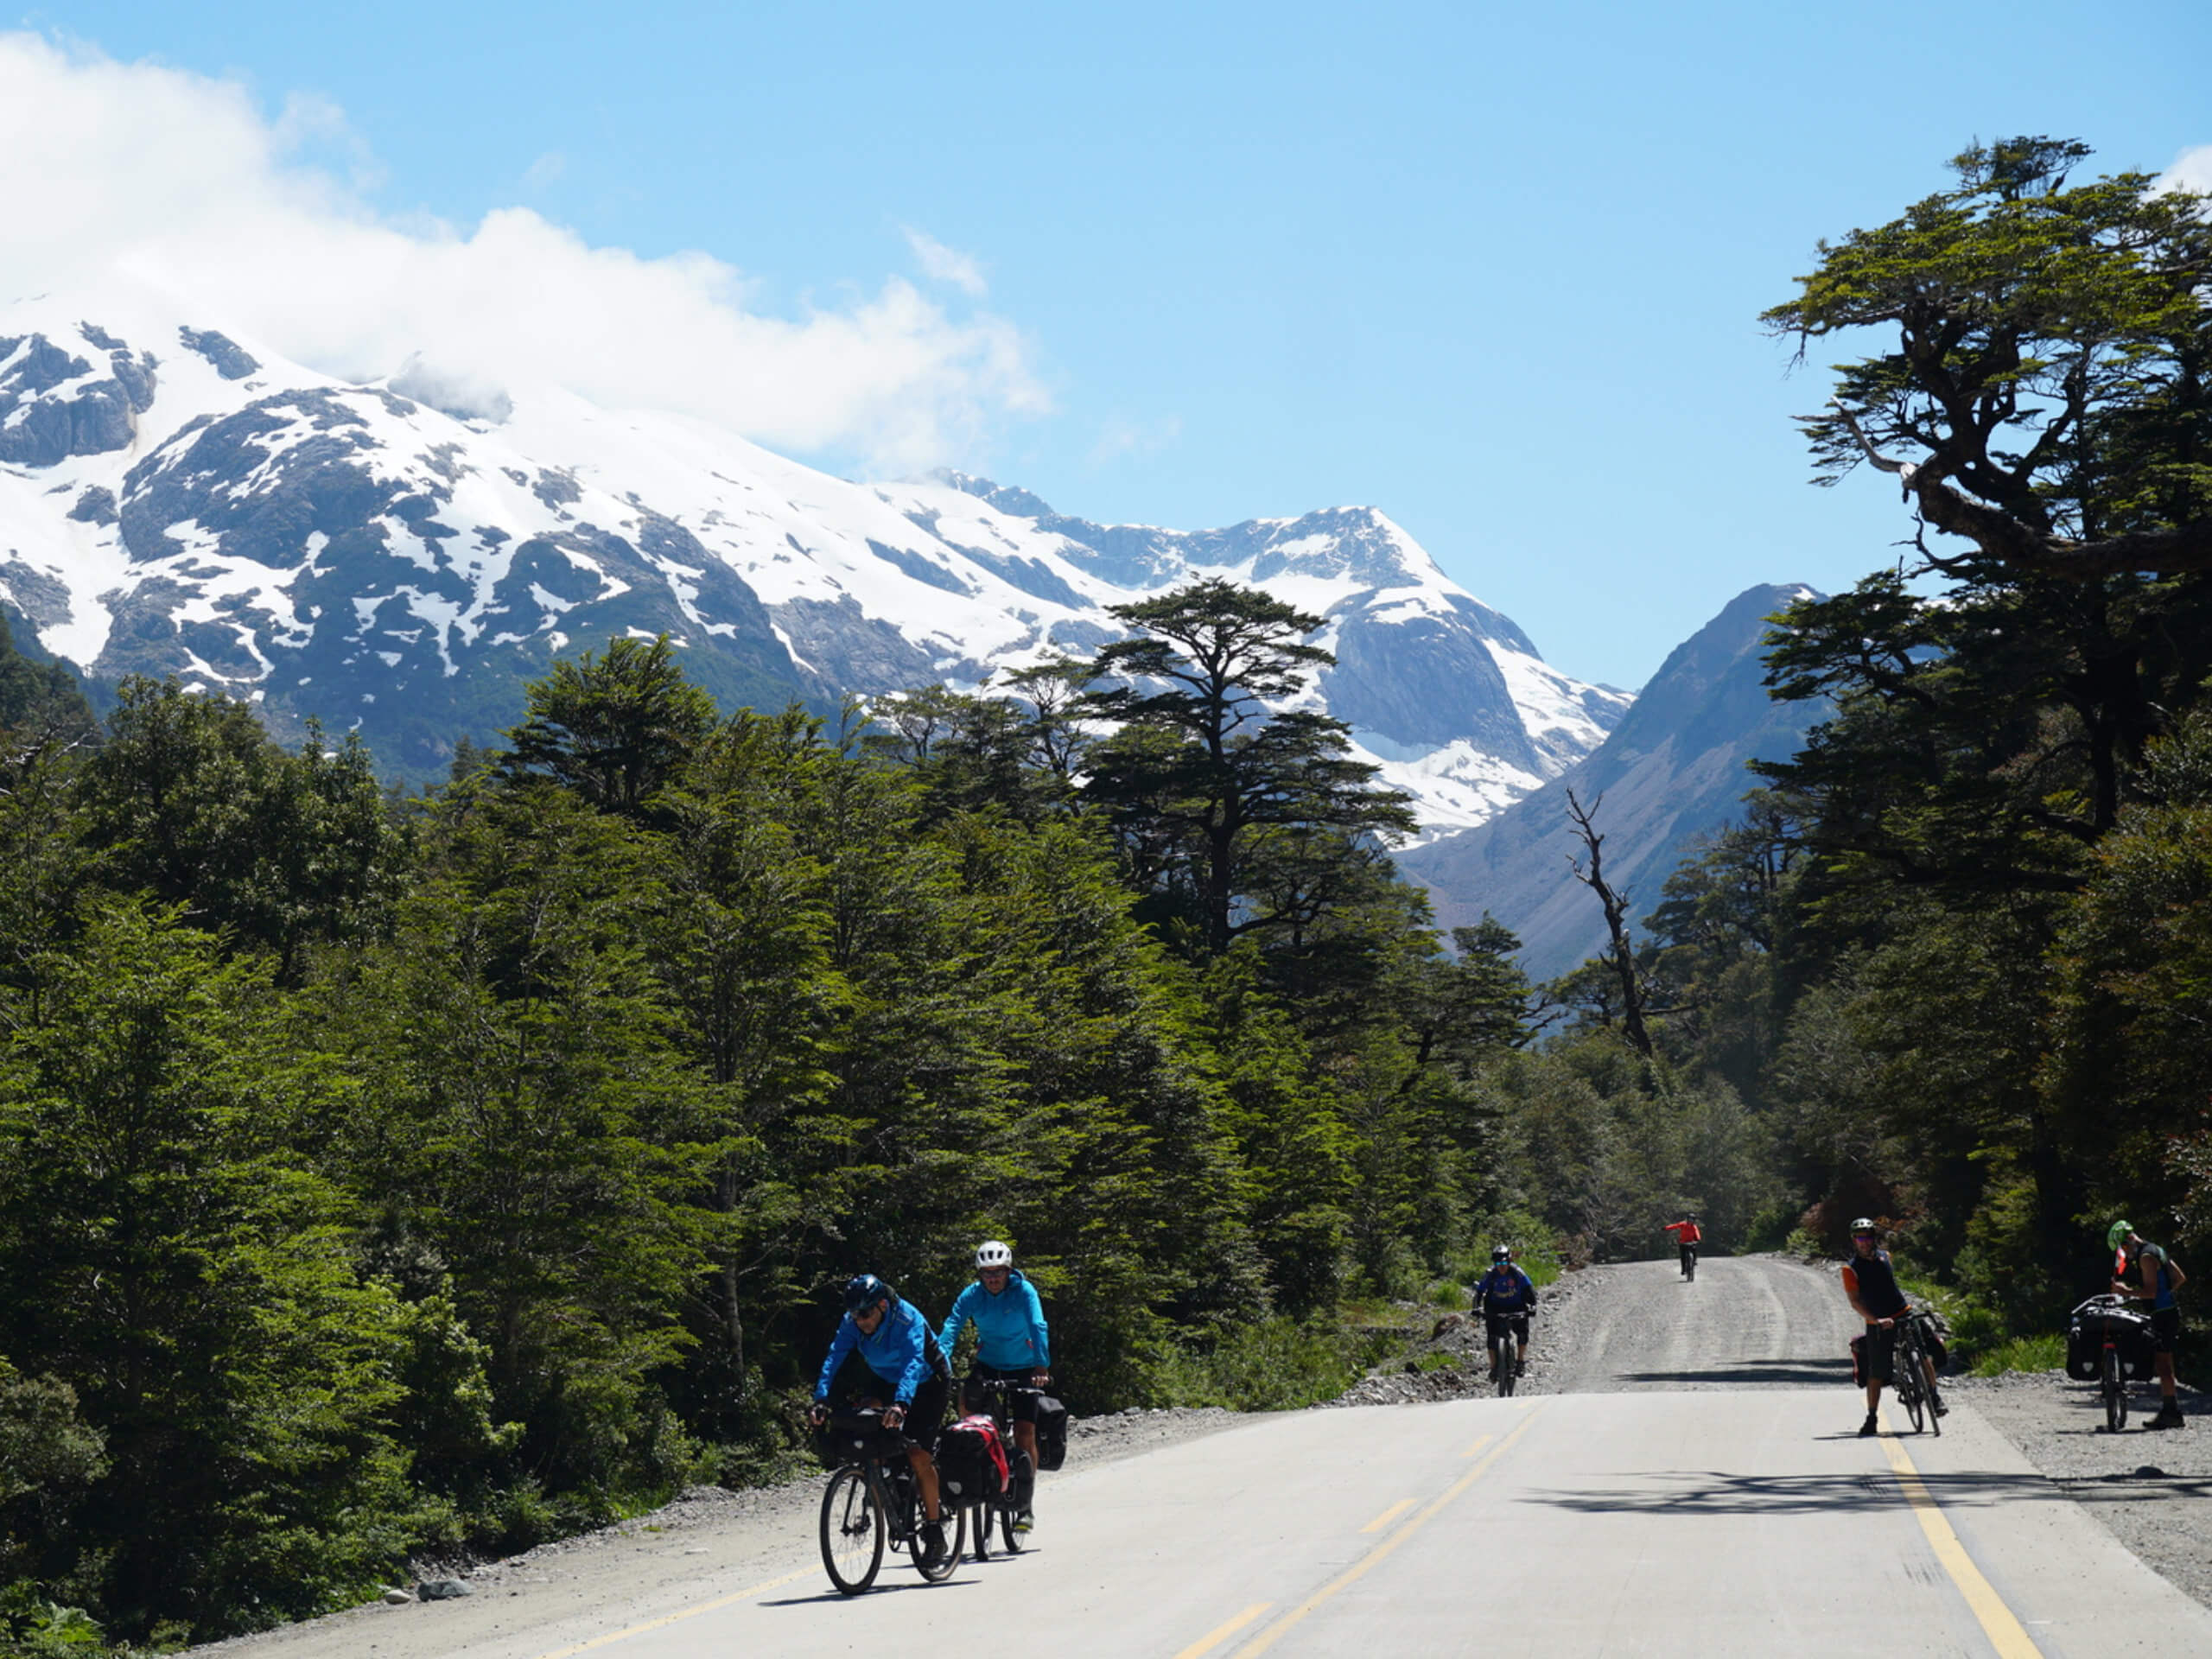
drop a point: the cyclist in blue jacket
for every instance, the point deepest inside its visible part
(1012, 1340)
(896, 1343)
(1505, 1297)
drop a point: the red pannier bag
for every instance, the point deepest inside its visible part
(970, 1462)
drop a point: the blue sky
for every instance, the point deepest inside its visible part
(1495, 271)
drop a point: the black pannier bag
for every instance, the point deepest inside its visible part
(1934, 1335)
(965, 1469)
(2085, 1339)
(1052, 1432)
(856, 1436)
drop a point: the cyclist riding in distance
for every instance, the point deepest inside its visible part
(1688, 1234)
(1505, 1297)
(1871, 1284)
(895, 1342)
(1012, 1341)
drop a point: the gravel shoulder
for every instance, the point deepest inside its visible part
(709, 1543)
(2148, 1487)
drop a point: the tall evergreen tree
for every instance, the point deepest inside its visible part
(1204, 767)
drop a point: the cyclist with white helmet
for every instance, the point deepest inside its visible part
(1013, 1342)
(1871, 1282)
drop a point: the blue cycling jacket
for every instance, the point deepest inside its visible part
(898, 1351)
(1009, 1327)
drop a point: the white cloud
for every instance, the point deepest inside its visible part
(2192, 170)
(942, 264)
(180, 182)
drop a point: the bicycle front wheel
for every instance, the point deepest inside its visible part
(852, 1530)
(956, 1528)
(1905, 1362)
(1507, 1366)
(2115, 1389)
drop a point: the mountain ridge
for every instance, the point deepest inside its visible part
(1669, 773)
(183, 500)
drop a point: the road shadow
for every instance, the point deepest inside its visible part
(881, 1587)
(1688, 1493)
(1752, 1374)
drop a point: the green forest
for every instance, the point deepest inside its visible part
(394, 1173)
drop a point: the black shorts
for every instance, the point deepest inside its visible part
(1881, 1353)
(1882, 1346)
(926, 1411)
(2165, 1329)
(1022, 1402)
(1501, 1324)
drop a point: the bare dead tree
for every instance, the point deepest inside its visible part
(1621, 955)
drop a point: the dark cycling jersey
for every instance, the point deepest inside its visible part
(1505, 1290)
(1876, 1283)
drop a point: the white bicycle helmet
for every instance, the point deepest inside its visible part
(993, 1253)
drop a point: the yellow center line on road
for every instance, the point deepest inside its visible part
(1480, 1441)
(1214, 1638)
(1390, 1514)
(2006, 1633)
(676, 1618)
(1282, 1626)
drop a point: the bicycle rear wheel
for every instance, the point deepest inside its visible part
(2115, 1392)
(852, 1529)
(1020, 1490)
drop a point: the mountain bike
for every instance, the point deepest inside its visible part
(1689, 1263)
(1909, 1376)
(873, 1503)
(1021, 1473)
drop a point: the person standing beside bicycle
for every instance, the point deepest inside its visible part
(895, 1342)
(1871, 1284)
(1689, 1236)
(1505, 1297)
(1012, 1343)
(2156, 1276)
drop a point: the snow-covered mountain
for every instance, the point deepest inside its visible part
(402, 556)
(1670, 775)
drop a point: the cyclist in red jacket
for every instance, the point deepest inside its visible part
(1688, 1234)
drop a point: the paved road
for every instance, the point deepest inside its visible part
(1675, 1514)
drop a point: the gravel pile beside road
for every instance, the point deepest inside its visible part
(2149, 1487)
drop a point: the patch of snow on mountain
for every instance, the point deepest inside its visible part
(1561, 715)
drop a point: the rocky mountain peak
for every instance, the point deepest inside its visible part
(400, 557)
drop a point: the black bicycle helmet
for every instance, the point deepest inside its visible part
(1501, 1253)
(865, 1290)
